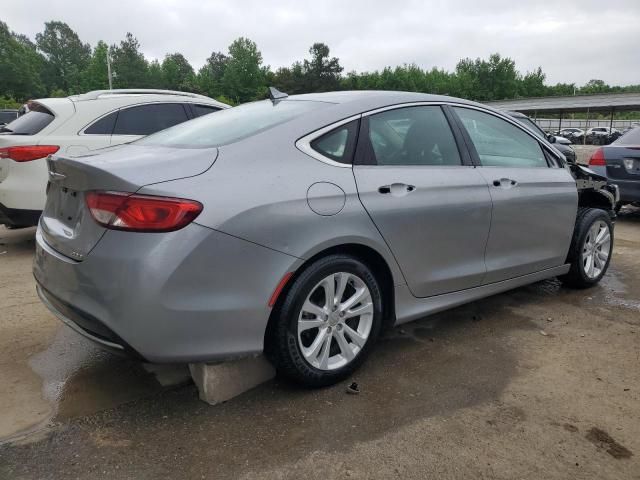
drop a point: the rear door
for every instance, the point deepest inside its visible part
(141, 120)
(433, 208)
(534, 200)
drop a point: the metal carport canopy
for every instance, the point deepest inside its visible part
(572, 104)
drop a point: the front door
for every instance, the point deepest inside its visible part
(534, 201)
(429, 203)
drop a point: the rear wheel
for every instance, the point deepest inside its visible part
(591, 247)
(328, 321)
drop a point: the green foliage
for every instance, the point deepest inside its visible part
(20, 65)
(177, 73)
(243, 78)
(129, 67)
(59, 64)
(66, 56)
(94, 77)
(7, 102)
(319, 74)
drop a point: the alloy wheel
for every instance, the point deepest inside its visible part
(335, 321)
(596, 249)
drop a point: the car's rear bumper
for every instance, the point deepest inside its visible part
(186, 296)
(17, 217)
(629, 190)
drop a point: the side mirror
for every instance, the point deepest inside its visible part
(551, 138)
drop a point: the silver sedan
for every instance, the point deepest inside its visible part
(302, 226)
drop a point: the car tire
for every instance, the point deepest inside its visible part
(306, 303)
(591, 248)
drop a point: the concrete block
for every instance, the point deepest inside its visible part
(220, 382)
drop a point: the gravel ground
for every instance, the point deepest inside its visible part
(540, 382)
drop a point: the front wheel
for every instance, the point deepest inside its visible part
(591, 248)
(328, 321)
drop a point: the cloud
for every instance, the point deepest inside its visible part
(573, 41)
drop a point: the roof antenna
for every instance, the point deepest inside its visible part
(276, 95)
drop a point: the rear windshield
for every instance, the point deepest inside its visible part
(632, 137)
(6, 117)
(30, 123)
(230, 125)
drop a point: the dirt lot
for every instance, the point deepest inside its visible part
(540, 382)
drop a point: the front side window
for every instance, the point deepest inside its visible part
(413, 136)
(148, 119)
(499, 143)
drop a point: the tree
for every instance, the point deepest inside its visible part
(129, 64)
(595, 86)
(532, 84)
(155, 78)
(177, 73)
(21, 66)
(66, 56)
(209, 78)
(321, 73)
(243, 78)
(95, 76)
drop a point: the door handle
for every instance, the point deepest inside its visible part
(396, 189)
(505, 183)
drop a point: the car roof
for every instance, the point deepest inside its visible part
(125, 96)
(374, 98)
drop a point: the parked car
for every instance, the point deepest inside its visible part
(620, 163)
(563, 148)
(301, 226)
(7, 115)
(77, 125)
(602, 135)
(574, 135)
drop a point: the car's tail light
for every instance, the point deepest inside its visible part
(26, 153)
(141, 213)
(597, 159)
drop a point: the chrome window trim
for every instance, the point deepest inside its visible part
(304, 144)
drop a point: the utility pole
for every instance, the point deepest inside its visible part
(109, 70)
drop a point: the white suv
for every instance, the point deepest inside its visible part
(74, 126)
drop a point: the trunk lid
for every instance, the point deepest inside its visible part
(66, 223)
(623, 163)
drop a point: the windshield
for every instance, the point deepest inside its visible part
(30, 123)
(231, 125)
(632, 137)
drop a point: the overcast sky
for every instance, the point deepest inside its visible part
(573, 41)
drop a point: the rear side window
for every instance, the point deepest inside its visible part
(339, 144)
(500, 144)
(200, 110)
(148, 119)
(104, 126)
(30, 123)
(413, 136)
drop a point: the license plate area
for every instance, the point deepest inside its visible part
(65, 204)
(632, 165)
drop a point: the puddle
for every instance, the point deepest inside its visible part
(80, 378)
